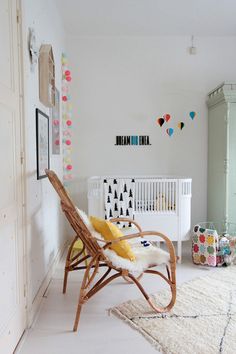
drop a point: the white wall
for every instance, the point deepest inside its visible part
(45, 222)
(122, 84)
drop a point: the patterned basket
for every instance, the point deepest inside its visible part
(205, 246)
(213, 244)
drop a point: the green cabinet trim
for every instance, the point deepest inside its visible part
(222, 153)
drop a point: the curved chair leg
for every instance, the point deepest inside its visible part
(150, 301)
(169, 306)
(130, 281)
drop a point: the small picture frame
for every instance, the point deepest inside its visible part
(42, 143)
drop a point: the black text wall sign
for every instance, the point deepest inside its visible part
(132, 140)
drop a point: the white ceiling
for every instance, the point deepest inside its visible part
(148, 17)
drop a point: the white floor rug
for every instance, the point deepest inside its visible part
(203, 320)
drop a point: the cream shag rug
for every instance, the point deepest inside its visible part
(203, 320)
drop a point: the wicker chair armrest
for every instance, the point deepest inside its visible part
(113, 220)
(122, 238)
(125, 237)
(168, 242)
(99, 239)
(118, 239)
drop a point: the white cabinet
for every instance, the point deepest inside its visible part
(222, 153)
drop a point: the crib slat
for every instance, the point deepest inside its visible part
(167, 196)
(160, 196)
(155, 197)
(150, 196)
(138, 197)
(170, 205)
(173, 188)
(145, 193)
(173, 198)
(142, 197)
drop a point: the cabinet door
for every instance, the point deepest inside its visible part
(217, 153)
(232, 164)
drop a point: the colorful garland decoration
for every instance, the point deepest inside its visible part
(66, 122)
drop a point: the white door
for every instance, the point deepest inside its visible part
(12, 301)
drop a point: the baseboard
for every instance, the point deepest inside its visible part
(33, 310)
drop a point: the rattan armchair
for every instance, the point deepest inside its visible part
(97, 258)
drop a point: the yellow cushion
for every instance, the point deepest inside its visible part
(110, 231)
(78, 245)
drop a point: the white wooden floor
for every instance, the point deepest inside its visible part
(98, 332)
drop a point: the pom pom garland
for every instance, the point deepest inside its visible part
(55, 122)
(67, 121)
(67, 177)
(67, 133)
(65, 89)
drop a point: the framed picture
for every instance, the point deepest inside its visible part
(42, 143)
(55, 122)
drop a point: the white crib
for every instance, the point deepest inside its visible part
(159, 203)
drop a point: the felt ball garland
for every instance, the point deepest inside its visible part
(67, 121)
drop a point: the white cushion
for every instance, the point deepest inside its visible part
(85, 219)
(145, 257)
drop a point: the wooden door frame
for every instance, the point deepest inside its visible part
(16, 324)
